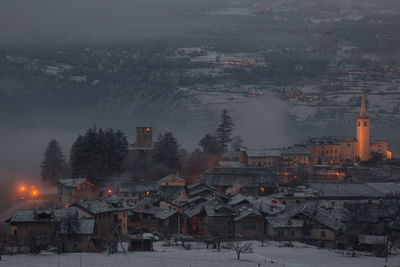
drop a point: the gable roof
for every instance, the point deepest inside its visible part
(41, 215)
(172, 176)
(284, 222)
(96, 206)
(328, 218)
(74, 182)
(245, 176)
(156, 212)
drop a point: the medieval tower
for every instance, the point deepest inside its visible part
(362, 150)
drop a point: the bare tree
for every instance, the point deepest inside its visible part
(214, 235)
(240, 248)
(3, 241)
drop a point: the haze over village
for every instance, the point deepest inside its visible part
(199, 133)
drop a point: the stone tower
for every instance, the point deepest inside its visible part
(144, 137)
(363, 133)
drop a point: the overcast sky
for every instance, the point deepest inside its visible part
(27, 21)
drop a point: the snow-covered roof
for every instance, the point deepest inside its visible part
(330, 218)
(156, 212)
(41, 215)
(72, 182)
(238, 199)
(264, 153)
(243, 211)
(96, 206)
(346, 189)
(284, 222)
(137, 187)
(147, 202)
(295, 150)
(321, 141)
(172, 176)
(244, 176)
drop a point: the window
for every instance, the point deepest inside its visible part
(365, 123)
(249, 225)
(359, 124)
(348, 145)
(293, 233)
(323, 234)
(280, 233)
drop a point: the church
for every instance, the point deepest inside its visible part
(329, 149)
(324, 150)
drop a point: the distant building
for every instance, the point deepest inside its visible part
(111, 215)
(172, 180)
(26, 224)
(74, 190)
(144, 137)
(257, 181)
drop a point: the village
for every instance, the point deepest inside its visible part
(340, 193)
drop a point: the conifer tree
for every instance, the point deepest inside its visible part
(53, 165)
(98, 154)
(165, 155)
(224, 131)
(210, 144)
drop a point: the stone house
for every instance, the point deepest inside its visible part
(284, 228)
(77, 238)
(248, 224)
(74, 190)
(153, 219)
(26, 224)
(111, 215)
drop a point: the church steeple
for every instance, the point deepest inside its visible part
(363, 132)
(363, 111)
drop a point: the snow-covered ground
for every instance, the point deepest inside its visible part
(271, 255)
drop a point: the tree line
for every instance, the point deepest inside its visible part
(100, 154)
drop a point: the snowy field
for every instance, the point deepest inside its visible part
(271, 255)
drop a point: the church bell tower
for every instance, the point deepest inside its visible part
(363, 132)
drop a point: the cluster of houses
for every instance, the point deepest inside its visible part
(222, 207)
(250, 195)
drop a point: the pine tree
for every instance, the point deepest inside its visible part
(53, 165)
(224, 131)
(99, 154)
(210, 144)
(165, 157)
